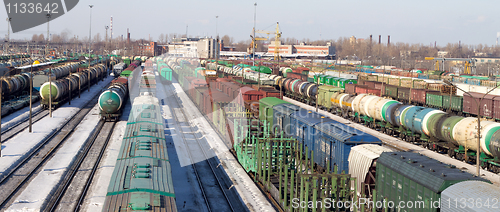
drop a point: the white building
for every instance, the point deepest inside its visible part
(193, 47)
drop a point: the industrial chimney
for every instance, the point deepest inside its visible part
(379, 39)
(128, 37)
(388, 40)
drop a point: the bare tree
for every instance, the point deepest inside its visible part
(161, 38)
(228, 40)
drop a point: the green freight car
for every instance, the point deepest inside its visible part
(266, 108)
(324, 94)
(343, 82)
(411, 178)
(444, 102)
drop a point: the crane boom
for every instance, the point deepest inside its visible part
(277, 43)
(469, 63)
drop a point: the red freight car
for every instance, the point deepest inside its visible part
(271, 92)
(360, 89)
(419, 95)
(293, 75)
(250, 94)
(350, 89)
(487, 106)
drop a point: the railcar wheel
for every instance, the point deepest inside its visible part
(451, 153)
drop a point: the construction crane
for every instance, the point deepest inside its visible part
(277, 43)
(469, 63)
(277, 34)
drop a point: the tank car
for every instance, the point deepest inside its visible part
(113, 99)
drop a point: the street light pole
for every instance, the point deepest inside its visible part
(31, 96)
(478, 104)
(50, 69)
(217, 37)
(254, 19)
(90, 44)
(8, 35)
(48, 35)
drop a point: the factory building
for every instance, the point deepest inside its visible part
(193, 47)
(302, 50)
(150, 49)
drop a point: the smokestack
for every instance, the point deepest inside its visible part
(435, 44)
(128, 37)
(388, 40)
(379, 39)
(370, 39)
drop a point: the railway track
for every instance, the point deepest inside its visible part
(22, 125)
(76, 182)
(216, 193)
(17, 178)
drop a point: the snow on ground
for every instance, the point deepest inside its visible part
(188, 196)
(18, 147)
(494, 178)
(19, 115)
(97, 191)
(248, 191)
(46, 182)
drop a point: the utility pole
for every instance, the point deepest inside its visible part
(50, 69)
(48, 35)
(106, 42)
(8, 36)
(253, 46)
(90, 44)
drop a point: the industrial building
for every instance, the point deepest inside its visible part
(193, 47)
(302, 50)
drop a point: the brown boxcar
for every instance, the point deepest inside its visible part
(293, 75)
(231, 89)
(351, 88)
(487, 106)
(404, 94)
(420, 95)
(360, 89)
(271, 92)
(250, 94)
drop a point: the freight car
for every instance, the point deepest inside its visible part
(387, 115)
(113, 99)
(330, 140)
(165, 71)
(118, 68)
(430, 127)
(42, 76)
(14, 85)
(409, 178)
(142, 178)
(58, 90)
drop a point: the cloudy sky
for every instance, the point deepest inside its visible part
(423, 21)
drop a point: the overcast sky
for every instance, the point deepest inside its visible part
(422, 21)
